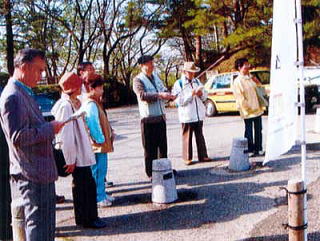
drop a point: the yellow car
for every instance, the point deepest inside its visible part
(220, 95)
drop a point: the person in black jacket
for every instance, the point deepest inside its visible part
(5, 192)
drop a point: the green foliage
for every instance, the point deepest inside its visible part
(51, 90)
(243, 36)
(171, 80)
(311, 27)
(3, 78)
(133, 14)
(105, 33)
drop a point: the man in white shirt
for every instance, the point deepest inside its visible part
(190, 96)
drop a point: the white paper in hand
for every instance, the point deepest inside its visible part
(75, 116)
(200, 88)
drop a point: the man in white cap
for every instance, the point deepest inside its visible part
(190, 96)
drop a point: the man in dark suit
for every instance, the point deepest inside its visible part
(29, 137)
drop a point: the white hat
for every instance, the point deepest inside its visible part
(190, 67)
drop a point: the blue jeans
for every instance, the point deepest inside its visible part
(37, 205)
(99, 172)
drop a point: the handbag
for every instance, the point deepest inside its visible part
(59, 158)
(60, 162)
(262, 96)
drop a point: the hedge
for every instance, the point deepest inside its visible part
(115, 93)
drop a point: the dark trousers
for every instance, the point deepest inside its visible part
(187, 131)
(154, 141)
(256, 144)
(5, 193)
(84, 196)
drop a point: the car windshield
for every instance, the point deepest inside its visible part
(312, 75)
(221, 81)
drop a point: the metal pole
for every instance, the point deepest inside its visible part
(302, 107)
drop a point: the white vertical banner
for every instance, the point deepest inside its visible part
(282, 118)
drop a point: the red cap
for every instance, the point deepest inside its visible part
(70, 82)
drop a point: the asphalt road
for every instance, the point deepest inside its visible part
(214, 204)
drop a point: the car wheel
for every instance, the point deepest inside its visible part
(211, 109)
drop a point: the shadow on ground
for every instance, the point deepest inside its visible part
(284, 237)
(209, 198)
(211, 204)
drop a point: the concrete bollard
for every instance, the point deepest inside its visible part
(163, 182)
(18, 220)
(317, 124)
(239, 159)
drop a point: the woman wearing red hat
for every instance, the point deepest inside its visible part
(74, 142)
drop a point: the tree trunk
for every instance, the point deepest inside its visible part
(198, 58)
(187, 47)
(177, 71)
(105, 60)
(237, 13)
(81, 50)
(10, 43)
(216, 36)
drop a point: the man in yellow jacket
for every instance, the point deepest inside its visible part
(244, 90)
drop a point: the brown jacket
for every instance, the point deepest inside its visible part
(107, 146)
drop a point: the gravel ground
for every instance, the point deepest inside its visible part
(214, 204)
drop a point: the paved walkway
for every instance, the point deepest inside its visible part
(213, 204)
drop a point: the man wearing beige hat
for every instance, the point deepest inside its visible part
(190, 96)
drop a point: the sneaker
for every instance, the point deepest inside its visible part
(260, 153)
(109, 184)
(188, 162)
(255, 154)
(110, 198)
(105, 203)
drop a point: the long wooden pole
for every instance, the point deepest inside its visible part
(215, 63)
